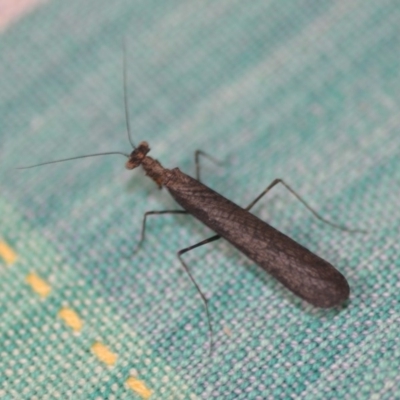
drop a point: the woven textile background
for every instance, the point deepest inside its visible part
(305, 90)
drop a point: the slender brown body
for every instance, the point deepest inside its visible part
(304, 273)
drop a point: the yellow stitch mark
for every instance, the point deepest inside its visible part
(71, 318)
(227, 331)
(104, 354)
(7, 253)
(139, 387)
(41, 287)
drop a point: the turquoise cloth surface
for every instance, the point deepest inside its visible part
(307, 91)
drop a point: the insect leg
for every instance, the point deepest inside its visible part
(146, 214)
(197, 155)
(294, 193)
(179, 253)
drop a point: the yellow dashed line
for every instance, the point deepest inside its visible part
(71, 318)
(104, 354)
(139, 387)
(7, 253)
(41, 287)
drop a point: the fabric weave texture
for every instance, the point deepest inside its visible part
(307, 91)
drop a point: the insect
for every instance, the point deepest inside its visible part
(301, 271)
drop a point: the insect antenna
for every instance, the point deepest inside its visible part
(74, 158)
(127, 120)
(127, 117)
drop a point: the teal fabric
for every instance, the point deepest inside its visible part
(306, 90)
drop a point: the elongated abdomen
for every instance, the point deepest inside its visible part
(301, 271)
